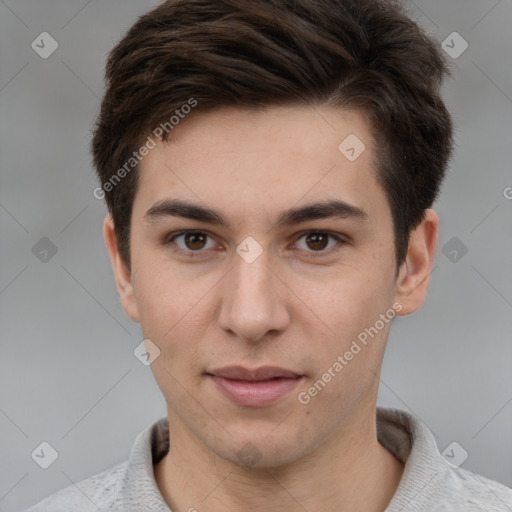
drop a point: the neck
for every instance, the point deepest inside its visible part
(350, 472)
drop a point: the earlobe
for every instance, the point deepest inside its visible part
(122, 273)
(414, 275)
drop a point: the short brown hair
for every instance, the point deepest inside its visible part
(356, 54)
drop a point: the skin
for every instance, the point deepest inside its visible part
(210, 308)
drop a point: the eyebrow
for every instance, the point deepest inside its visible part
(333, 208)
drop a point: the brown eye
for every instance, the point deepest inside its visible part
(190, 242)
(195, 241)
(317, 241)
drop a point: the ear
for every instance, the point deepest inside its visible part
(414, 274)
(121, 271)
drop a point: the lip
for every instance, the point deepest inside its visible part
(254, 388)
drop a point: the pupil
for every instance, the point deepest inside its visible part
(314, 239)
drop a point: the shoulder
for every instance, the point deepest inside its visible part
(477, 492)
(97, 492)
(130, 485)
(460, 490)
(430, 483)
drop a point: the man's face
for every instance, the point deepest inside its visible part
(212, 300)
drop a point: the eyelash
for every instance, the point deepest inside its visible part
(310, 254)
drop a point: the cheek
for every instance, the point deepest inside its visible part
(350, 304)
(170, 318)
(172, 311)
(161, 292)
(349, 310)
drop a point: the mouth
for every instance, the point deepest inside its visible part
(254, 388)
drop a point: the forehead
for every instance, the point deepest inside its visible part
(245, 161)
(301, 131)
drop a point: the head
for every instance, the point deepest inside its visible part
(244, 108)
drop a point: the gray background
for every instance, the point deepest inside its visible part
(68, 375)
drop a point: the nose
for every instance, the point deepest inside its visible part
(254, 301)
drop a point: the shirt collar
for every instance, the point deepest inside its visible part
(405, 436)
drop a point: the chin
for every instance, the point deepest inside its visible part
(260, 452)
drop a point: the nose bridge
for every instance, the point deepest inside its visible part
(253, 300)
